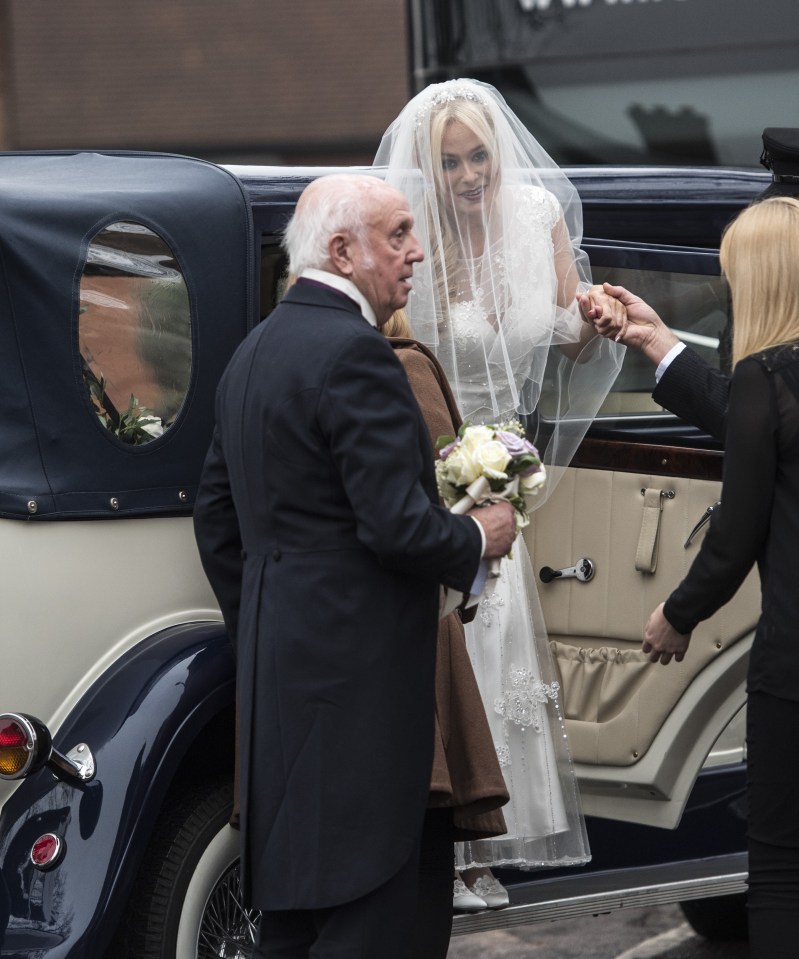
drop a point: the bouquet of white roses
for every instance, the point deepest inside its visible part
(483, 464)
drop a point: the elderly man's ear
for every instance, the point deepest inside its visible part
(338, 248)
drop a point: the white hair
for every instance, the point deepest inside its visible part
(332, 204)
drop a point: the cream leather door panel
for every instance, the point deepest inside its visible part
(639, 732)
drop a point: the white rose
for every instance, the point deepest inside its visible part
(459, 468)
(476, 436)
(531, 484)
(493, 457)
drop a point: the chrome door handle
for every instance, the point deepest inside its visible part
(583, 570)
(703, 520)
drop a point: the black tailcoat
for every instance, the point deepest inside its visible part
(696, 392)
(318, 525)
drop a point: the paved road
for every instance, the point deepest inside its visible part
(656, 933)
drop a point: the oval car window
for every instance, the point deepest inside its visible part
(134, 332)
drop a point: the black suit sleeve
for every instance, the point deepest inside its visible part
(379, 443)
(696, 392)
(740, 526)
(216, 530)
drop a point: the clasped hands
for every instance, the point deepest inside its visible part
(617, 314)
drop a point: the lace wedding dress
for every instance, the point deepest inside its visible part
(501, 226)
(518, 682)
(507, 640)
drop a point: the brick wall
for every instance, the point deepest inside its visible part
(292, 81)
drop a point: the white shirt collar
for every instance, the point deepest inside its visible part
(343, 285)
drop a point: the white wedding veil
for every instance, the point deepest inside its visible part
(496, 290)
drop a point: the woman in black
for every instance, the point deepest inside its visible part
(758, 521)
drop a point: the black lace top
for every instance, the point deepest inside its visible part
(758, 520)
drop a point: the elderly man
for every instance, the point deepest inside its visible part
(320, 531)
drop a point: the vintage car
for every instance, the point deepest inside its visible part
(126, 281)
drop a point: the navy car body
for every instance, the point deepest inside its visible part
(126, 282)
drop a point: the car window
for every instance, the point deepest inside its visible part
(682, 285)
(273, 277)
(134, 332)
(695, 307)
(685, 288)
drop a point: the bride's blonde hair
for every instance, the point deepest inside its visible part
(760, 257)
(475, 116)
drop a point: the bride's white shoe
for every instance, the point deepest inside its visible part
(464, 900)
(491, 891)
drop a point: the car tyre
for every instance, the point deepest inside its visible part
(186, 903)
(718, 918)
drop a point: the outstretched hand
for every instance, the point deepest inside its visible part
(662, 641)
(642, 328)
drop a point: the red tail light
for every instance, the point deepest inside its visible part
(25, 745)
(14, 748)
(47, 851)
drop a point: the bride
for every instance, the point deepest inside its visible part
(501, 225)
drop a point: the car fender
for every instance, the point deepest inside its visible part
(140, 720)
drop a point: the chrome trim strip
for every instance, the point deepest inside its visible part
(629, 897)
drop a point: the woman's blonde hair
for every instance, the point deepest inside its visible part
(760, 257)
(398, 325)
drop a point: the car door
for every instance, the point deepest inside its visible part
(635, 502)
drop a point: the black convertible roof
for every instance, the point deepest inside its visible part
(56, 459)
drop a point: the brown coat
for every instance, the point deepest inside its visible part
(466, 774)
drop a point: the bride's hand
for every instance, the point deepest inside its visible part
(606, 313)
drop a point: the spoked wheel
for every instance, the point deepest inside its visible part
(215, 923)
(187, 900)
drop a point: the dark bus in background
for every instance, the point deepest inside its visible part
(654, 82)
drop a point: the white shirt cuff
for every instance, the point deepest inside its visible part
(482, 537)
(663, 365)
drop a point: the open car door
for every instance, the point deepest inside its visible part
(635, 502)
